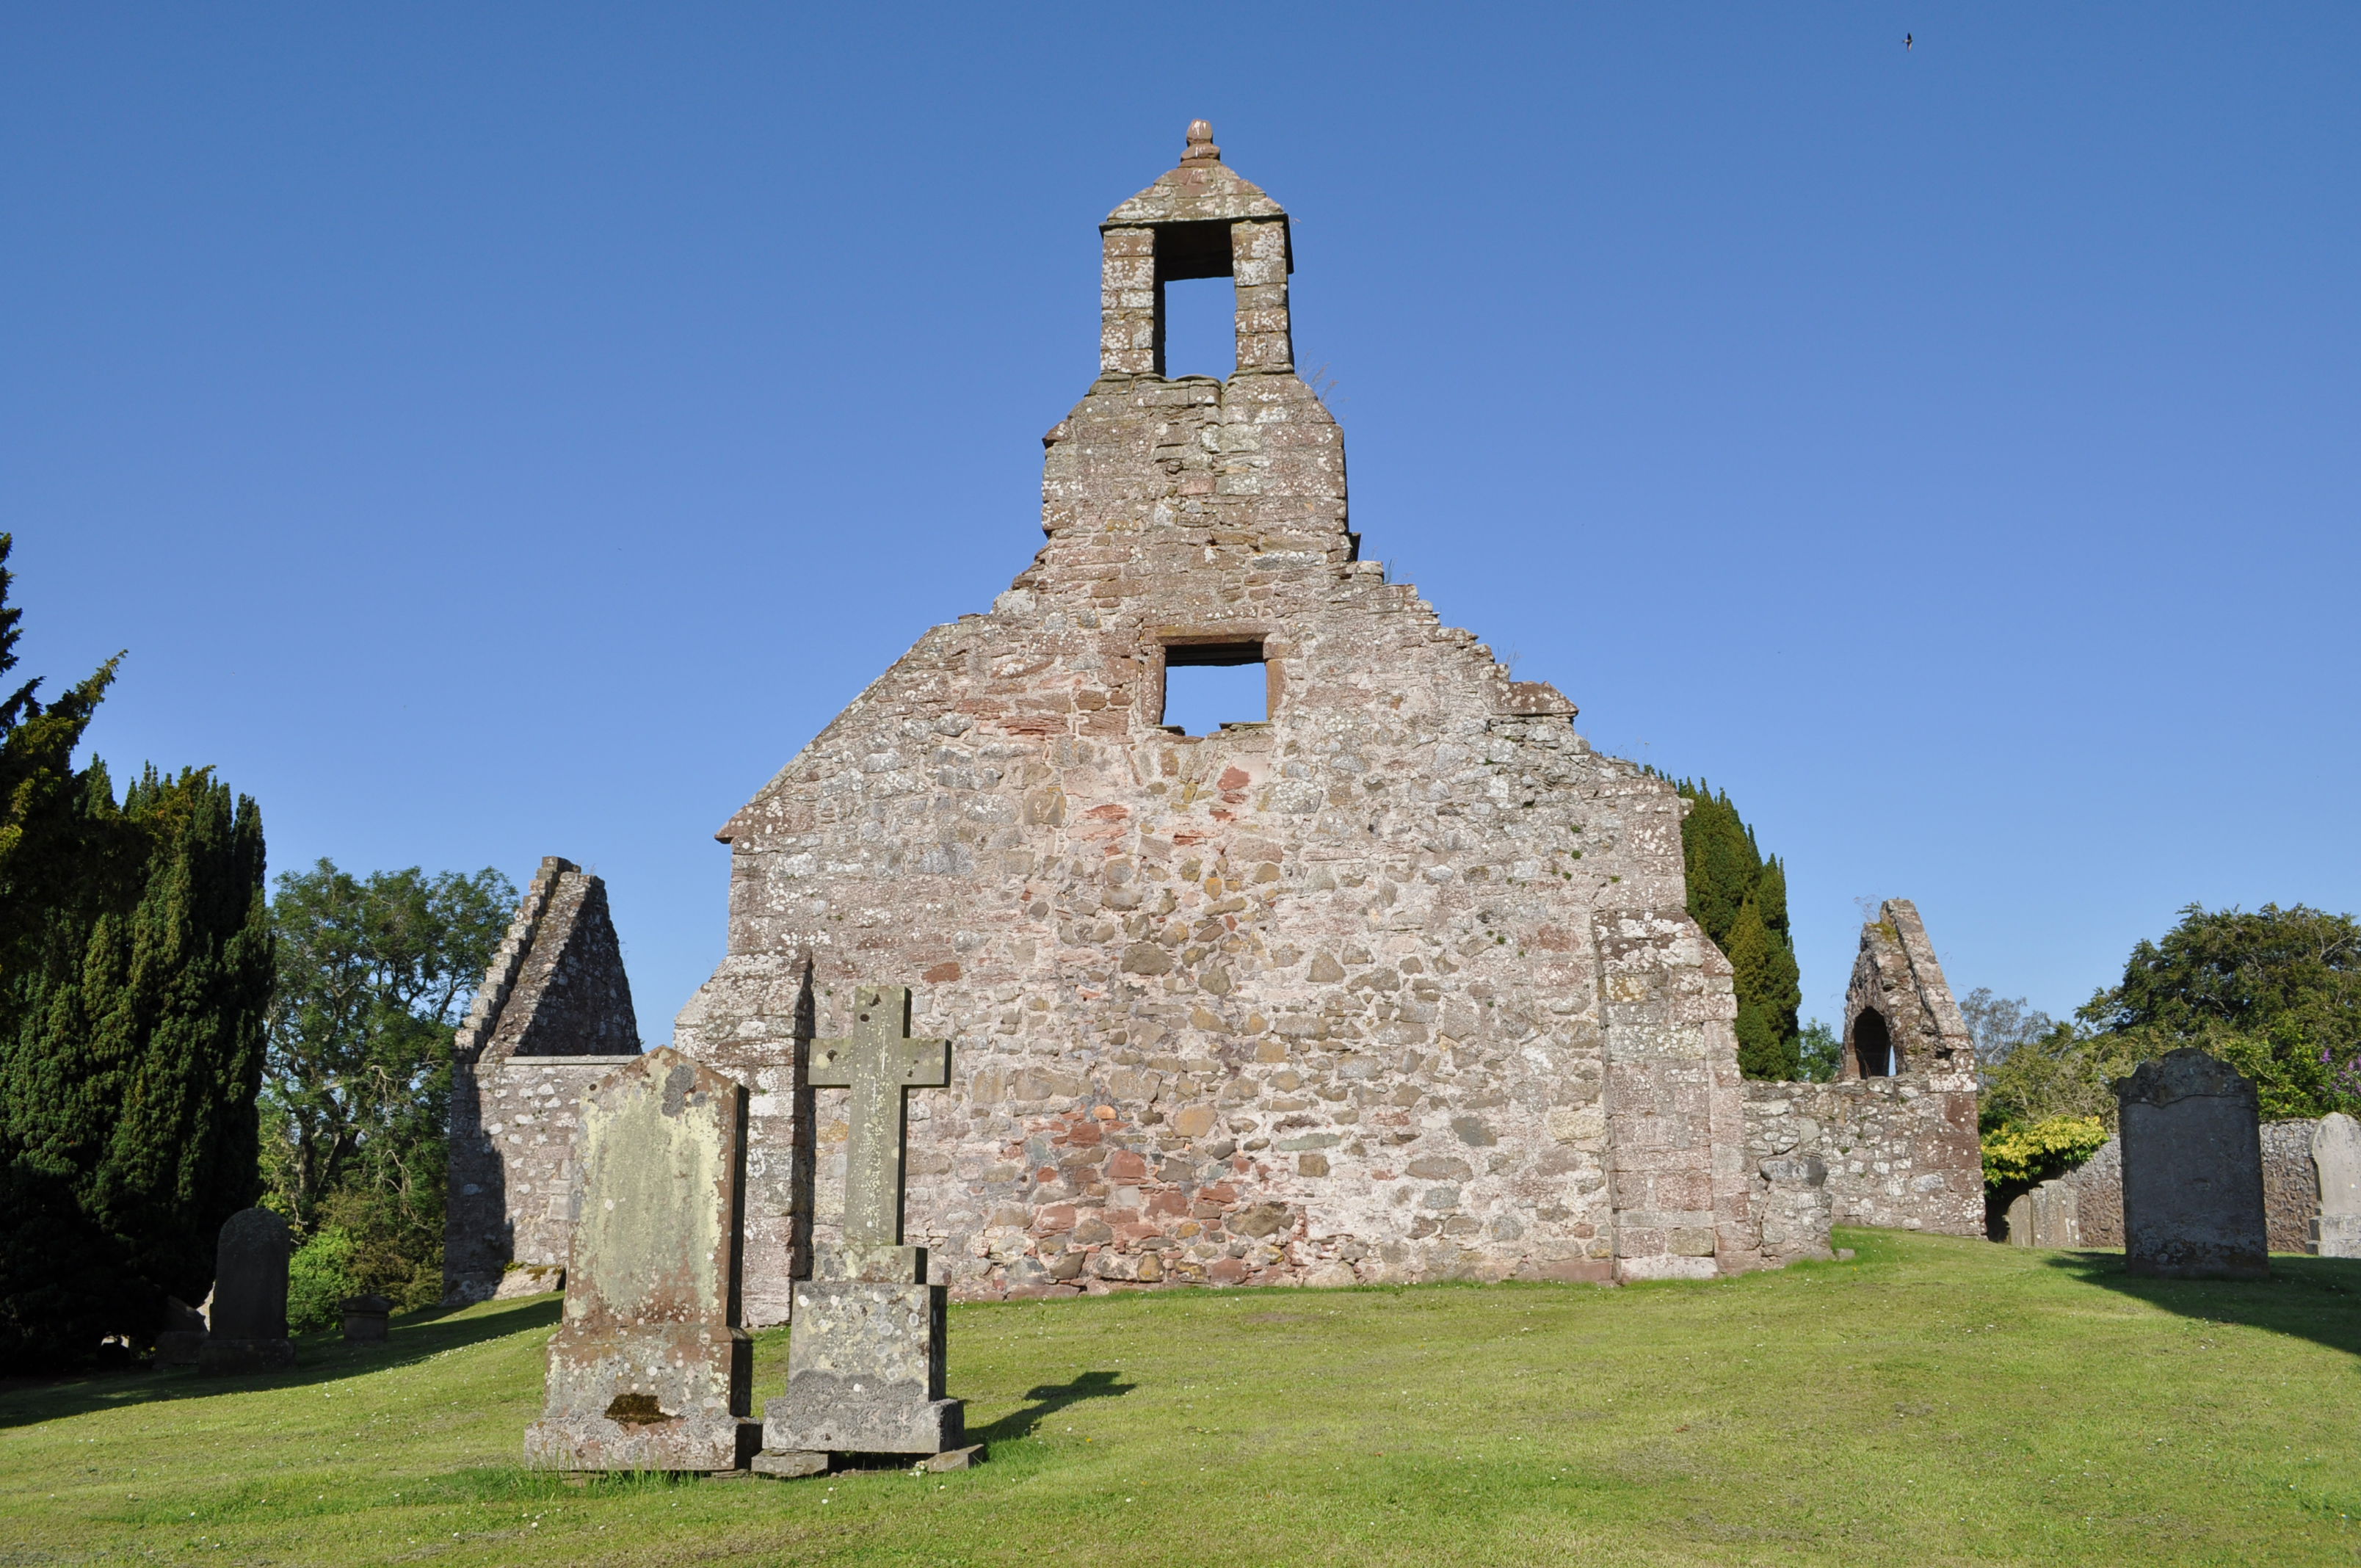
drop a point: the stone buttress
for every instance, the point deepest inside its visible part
(1395, 983)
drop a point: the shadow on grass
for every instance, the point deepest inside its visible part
(1049, 1398)
(2318, 1299)
(319, 1358)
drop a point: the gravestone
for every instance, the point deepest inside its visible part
(2047, 1215)
(368, 1316)
(250, 1314)
(650, 1370)
(2192, 1157)
(865, 1357)
(2336, 1155)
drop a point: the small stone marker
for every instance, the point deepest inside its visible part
(650, 1370)
(368, 1316)
(2336, 1157)
(865, 1357)
(183, 1339)
(2192, 1171)
(249, 1318)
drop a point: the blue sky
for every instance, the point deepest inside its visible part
(498, 432)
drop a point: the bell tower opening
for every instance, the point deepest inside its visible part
(1199, 338)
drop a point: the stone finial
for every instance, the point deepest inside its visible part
(1200, 144)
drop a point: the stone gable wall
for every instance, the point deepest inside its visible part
(1396, 985)
(553, 1016)
(1900, 1151)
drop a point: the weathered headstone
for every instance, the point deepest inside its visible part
(181, 1341)
(650, 1370)
(865, 1357)
(249, 1315)
(2046, 1215)
(2336, 1155)
(2192, 1157)
(368, 1316)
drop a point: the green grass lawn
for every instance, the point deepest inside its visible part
(1932, 1402)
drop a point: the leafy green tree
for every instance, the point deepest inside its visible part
(135, 972)
(1999, 1025)
(2275, 993)
(2065, 1074)
(1819, 1053)
(1740, 900)
(374, 974)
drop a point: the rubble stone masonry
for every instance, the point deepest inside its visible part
(1898, 1127)
(1395, 983)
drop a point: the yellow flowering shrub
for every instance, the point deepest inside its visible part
(2035, 1151)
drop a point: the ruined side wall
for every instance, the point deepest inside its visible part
(553, 1015)
(516, 1119)
(1900, 1151)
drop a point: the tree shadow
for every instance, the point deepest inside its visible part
(1049, 1398)
(319, 1358)
(2318, 1299)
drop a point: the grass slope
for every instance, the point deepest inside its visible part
(1933, 1401)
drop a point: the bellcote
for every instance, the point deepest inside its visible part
(1200, 220)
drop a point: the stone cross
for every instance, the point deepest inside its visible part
(865, 1363)
(877, 1061)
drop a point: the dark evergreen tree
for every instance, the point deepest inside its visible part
(134, 976)
(1740, 900)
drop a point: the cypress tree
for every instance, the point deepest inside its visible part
(1739, 898)
(135, 977)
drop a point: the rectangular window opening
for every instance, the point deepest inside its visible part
(1208, 685)
(1201, 328)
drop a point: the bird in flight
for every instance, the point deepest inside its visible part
(1905, 42)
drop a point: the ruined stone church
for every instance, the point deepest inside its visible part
(1392, 982)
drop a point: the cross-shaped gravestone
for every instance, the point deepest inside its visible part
(877, 1061)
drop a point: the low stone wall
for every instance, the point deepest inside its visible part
(1899, 1152)
(2084, 1208)
(510, 1203)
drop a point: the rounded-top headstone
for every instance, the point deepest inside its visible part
(250, 1277)
(2184, 1074)
(2336, 1159)
(2336, 1155)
